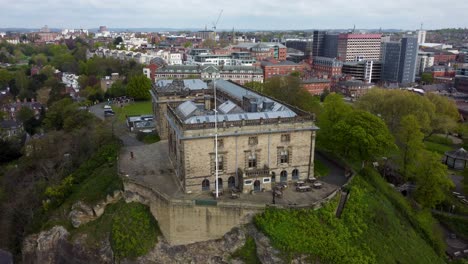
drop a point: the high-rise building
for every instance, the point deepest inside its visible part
(317, 44)
(421, 36)
(425, 60)
(357, 47)
(325, 44)
(330, 46)
(399, 60)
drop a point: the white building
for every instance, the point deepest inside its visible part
(425, 60)
(421, 36)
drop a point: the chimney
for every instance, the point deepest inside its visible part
(25, 100)
(32, 100)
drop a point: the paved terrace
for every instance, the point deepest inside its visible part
(151, 167)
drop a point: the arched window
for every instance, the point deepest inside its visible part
(273, 176)
(205, 185)
(231, 182)
(220, 183)
(257, 185)
(295, 174)
(284, 176)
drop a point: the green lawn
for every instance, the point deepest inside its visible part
(137, 108)
(437, 147)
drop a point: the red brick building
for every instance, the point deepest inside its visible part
(271, 68)
(441, 71)
(328, 66)
(316, 86)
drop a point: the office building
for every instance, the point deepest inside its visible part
(357, 47)
(365, 71)
(399, 60)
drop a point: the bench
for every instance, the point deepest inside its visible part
(303, 189)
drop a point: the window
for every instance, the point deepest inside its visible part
(248, 182)
(220, 163)
(285, 137)
(253, 141)
(284, 156)
(220, 143)
(205, 185)
(252, 160)
(266, 180)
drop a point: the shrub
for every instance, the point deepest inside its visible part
(134, 231)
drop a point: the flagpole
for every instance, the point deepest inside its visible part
(216, 139)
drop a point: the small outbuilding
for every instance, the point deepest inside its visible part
(456, 159)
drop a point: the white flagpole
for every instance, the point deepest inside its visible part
(216, 139)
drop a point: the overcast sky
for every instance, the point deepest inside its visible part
(239, 14)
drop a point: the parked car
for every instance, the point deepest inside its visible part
(107, 107)
(109, 113)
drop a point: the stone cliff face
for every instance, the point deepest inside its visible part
(53, 246)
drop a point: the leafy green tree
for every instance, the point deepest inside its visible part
(25, 114)
(138, 87)
(446, 115)
(393, 105)
(22, 84)
(118, 40)
(40, 59)
(257, 86)
(409, 139)
(289, 89)
(188, 44)
(465, 180)
(431, 177)
(64, 114)
(5, 78)
(362, 136)
(427, 78)
(117, 89)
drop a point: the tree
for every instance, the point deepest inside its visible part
(409, 138)
(138, 87)
(289, 89)
(361, 136)
(257, 86)
(446, 115)
(5, 78)
(427, 78)
(40, 59)
(188, 44)
(393, 105)
(118, 40)
(25, 114)
(117, 89)
(431, 179)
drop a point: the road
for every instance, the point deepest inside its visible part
(119, 128)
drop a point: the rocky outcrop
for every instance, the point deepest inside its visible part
(53, 247)
(212, 252)
(41, 248)
(82, 213)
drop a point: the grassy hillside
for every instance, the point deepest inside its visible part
(377, 226)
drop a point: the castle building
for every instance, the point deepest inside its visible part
(260, 140)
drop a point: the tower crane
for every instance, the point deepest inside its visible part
(216, 23)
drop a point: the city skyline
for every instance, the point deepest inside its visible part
(242, 14)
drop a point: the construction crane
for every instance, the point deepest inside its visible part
(216, 23)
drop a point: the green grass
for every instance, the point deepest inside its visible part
(320, 169)
(437, 147)
(374, 228)
(248, 252)
(132, 229)
(137, 108)
(148, 138)
(440, 140)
